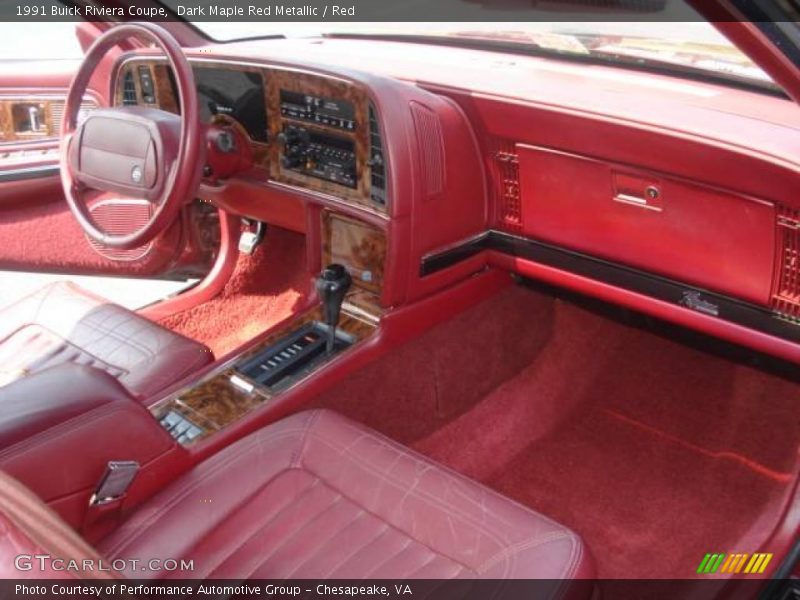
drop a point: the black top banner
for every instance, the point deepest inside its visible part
(32, 11)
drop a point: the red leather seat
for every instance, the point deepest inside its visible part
(62, 323)
(314, 496)
(318, 496)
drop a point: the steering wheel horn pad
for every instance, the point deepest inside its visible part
(133, 151)
(129, 153)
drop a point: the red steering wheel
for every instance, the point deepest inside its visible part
(132, 151)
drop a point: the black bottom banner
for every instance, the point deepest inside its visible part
(417, 589)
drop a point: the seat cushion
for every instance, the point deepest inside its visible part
(63, 323)
(319, 496)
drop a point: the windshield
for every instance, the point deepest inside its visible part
(695, 46)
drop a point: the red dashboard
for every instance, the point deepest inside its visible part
(436, 184)
(673, 196)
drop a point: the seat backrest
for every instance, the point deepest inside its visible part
(28, 528)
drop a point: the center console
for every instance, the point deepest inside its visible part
(351, 160)
(348, 289)
(299, 352)
(308, 133)
(364, 160)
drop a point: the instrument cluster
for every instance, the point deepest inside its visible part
(305, 130)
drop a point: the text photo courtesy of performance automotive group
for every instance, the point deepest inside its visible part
(465, 299)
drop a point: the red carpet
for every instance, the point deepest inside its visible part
(654, 451)
(412, 391)
(46, 236)
(265, 288)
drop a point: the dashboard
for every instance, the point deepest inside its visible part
(539, 168)
(316, 133)
(374, 171)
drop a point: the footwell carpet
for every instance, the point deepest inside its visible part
(654, 451)
(266, 287)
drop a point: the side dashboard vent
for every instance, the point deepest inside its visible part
(57, 112)
(129, 97)
(505, 167)
(377, 162)
(431, 148)
(786, 285)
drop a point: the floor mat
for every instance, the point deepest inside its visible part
(653, 451)
(420, 386)
(265, 288)
(647, 507)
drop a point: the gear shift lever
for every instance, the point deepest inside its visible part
(332, 285)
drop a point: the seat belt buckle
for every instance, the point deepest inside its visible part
(114, 483)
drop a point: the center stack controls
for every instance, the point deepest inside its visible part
(311, 151)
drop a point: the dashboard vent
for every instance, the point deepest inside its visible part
(376, 160)
(786, 293)
(429, 138)
(505, 165)
(129, 97)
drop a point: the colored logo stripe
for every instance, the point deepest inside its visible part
(734, 563)
(710, 563)
(758, 563)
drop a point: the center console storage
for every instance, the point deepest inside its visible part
(60, 429)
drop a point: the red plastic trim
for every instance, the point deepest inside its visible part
(657, 308)
(213, 283)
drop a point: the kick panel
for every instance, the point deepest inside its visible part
(698, 234)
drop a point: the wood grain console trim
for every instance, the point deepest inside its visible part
(216, 403)
(329, 88)
(360, 247)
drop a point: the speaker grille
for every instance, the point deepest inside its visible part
(120, 217)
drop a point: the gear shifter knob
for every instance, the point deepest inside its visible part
(332, 285)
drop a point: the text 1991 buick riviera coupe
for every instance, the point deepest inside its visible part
(488, 302)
